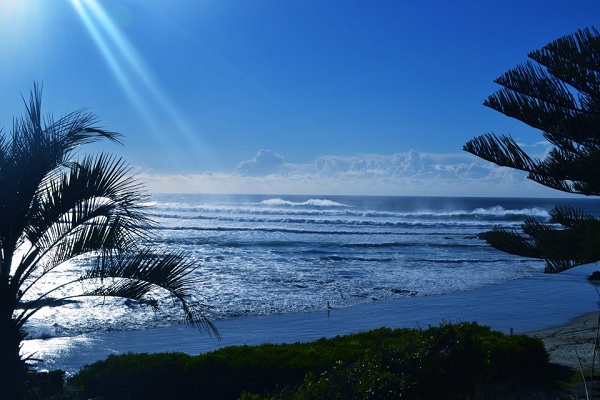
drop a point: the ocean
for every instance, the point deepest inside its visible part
(282, 268)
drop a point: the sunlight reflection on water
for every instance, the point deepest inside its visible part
(55, 349)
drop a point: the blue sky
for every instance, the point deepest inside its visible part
(287, 96)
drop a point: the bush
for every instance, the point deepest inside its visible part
(449, 361)
(43, 385)
(445, 362)
(145, 375)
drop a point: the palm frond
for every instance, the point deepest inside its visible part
(95, 206)
(575, 59)
(533, 227)
(552, 183)
(73, 129)
(30, 158)
(127, 289)
(108, 236)
(511, 242)
(171, 272)
(535, 112)
(574, 243)
(135, 277)
(569, 216)
(531, 80)
(98, 186)
(501, 150)
(556, 266)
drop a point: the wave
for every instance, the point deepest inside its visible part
(327, 227)
(314, 247)
(336, 258)
(268, 205)
(403, 245)
(496, 213)
(499, 211)
(422, 261)
(273, 230)
(448, 261)
(311, 202)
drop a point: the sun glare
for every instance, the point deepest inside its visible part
(18, 16)
(21, 27)
(13, 8)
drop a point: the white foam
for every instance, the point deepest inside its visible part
(310, 202)
(501, 211)
(522, 305)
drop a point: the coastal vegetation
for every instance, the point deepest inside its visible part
(557, 92)
(450, 361)
(57, 206)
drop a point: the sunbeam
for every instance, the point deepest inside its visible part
(135, 77)
(109, 54)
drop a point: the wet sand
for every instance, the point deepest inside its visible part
(572, 344)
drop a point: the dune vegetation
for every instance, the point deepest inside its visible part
(450, 361)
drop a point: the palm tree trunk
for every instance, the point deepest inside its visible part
(12, 368)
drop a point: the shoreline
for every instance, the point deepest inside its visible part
(572, 344)
(522, 306)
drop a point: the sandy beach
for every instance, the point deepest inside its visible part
(572, 344)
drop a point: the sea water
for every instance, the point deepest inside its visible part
(272, 267)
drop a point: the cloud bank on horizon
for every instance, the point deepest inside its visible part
(410, 173)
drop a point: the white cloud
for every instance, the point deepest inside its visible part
(264, 162)
(409, 173)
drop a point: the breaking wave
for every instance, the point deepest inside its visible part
(284, 254)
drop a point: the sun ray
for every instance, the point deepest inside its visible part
(107, 52)
(135, 77)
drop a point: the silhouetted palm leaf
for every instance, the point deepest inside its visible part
(55, 208)
(557, 92)
(511, 242)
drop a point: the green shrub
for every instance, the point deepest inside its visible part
(145, 375)
(361, 380)
(449, 361)
(510, 357)
(43, 385)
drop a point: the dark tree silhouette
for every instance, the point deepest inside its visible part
(56, 207)
(558, 92)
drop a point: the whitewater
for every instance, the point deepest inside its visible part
(289, 268)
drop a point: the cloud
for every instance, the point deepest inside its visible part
(403, 173)
(264, 162)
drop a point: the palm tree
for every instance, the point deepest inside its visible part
(557, 92)
(55, 207)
